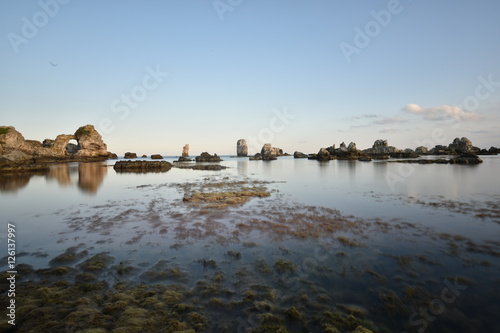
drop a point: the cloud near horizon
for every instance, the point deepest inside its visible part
(442, 112)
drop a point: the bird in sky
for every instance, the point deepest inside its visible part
(53, 65)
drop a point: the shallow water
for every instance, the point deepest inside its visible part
(380, 242)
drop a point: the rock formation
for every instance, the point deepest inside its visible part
(380, 147)
(268, 150)
(206, 157)
(299, 154)
(467, 158)
(130, 155)
(184, 159)
(185, 150)
(344, 152)
(462, 146)
(15, 149)
(323, 155)
(256, 157)
(242, 148)
(156, 157)
(421, 150)
(458, 146)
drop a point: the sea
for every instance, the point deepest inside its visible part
(298, 246)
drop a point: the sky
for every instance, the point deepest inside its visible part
(154, 75)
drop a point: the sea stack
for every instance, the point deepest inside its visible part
(241, 147)
(185, 150)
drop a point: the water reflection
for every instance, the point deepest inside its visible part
(89, 176)
(12, 183)
(61, 173)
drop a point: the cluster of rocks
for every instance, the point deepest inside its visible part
(16, 151)
(382, 150)
(206, 157)
(458, 146)
(268, 153)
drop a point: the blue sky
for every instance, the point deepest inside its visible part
(299, 74)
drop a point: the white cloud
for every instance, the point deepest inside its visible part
(442, 112)
(389, 130)
(389, 120)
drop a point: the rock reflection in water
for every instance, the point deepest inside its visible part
(12, 183)
(61, 173)
(91, 176)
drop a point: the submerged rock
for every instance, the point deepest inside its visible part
(142, 166)
(206, 157)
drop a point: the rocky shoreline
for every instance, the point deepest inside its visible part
(20, 155)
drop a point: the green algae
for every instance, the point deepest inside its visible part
(97, 262)
(283, 266)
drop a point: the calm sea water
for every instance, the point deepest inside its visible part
(415, 229)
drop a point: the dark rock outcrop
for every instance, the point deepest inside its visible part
(129, 155)
(323, 155)
(256, 157)
(381, 147)
(184, 159)
(421, 150)
(467, 158)
(462, 146)
(206, 157)
(299, 154)
(458, 146)
(344, 152)
(142, 166)
(156, 157)
(241, 148)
